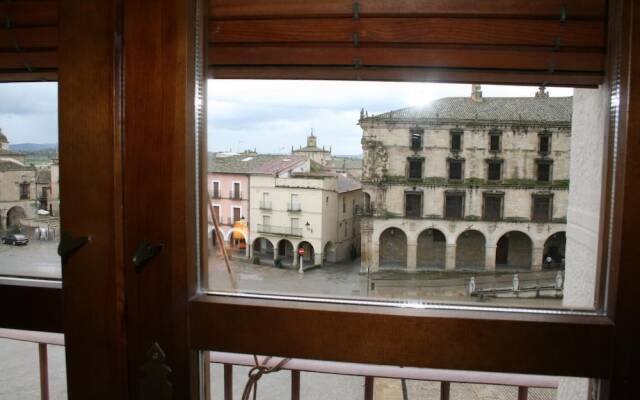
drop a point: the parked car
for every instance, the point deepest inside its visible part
(15, 239)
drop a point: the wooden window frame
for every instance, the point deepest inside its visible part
(104, 354)
(422, 166)
(456, 132)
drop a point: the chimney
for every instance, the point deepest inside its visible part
(476, 93)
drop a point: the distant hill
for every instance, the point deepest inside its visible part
(29, 147)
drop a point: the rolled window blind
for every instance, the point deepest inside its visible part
(28, 40)
(552, 42)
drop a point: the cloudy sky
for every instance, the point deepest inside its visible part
(270, 116)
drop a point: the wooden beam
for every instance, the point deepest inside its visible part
(91, 168)
(470, 340)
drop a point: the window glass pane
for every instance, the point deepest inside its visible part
(415, 169)
(494, 142)
(413, 204)
(544, 171)
(495, 171)
(29, 180)
(455, 169)
(493, 207)
(355, 210)
(456, 142)
(545, 141)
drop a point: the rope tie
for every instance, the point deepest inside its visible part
(256, 373)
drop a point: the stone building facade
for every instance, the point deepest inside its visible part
(315, 211)
(229, 191)
(17, 188)
(313, 152)
(467, 183)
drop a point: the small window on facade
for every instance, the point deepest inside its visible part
(541, 208)
(544, 171)
(455, 170)
(494, 171)
(495, 141)
(216, 189)
(24, 191)
(416, 138)
(216, 211)
(544, 144)
(454, 205)
(413, 204)
(493, 207)
(456, 141)
(415, 168)
(344, 205)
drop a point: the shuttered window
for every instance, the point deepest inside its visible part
(557, 42)
(454, 205)
(541, 208)
(493, 207)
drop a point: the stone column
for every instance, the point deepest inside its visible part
(412, 256)
(317, 259)
(296, 259)
(450, 258)
(490, 258)
(374, 261)
(536, 258)
(2, 220)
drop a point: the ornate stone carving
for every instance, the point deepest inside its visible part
(376, 161)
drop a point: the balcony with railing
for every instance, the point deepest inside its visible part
(449, 383)
(363, 211)
(230, 367)
(235, 194)
(216, 194)
(294, 207)
(265, 205)
(280, 230)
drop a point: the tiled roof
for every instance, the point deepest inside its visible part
(346, 162)
(252, 163)
(12, 165)
(311, 149)
(347, 184)
(502, 109)
(43, 176)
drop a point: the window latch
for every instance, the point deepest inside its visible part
(145, 253)
(69, 245)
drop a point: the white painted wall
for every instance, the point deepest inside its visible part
(583, 212)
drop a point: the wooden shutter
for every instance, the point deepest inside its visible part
(28, 40)
(553, 42)
(557, 42)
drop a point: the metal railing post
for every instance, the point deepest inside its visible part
(368, 388)
(228, 381)
(44, 371)
(523, 393)
(295, 385)
(445, 390)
